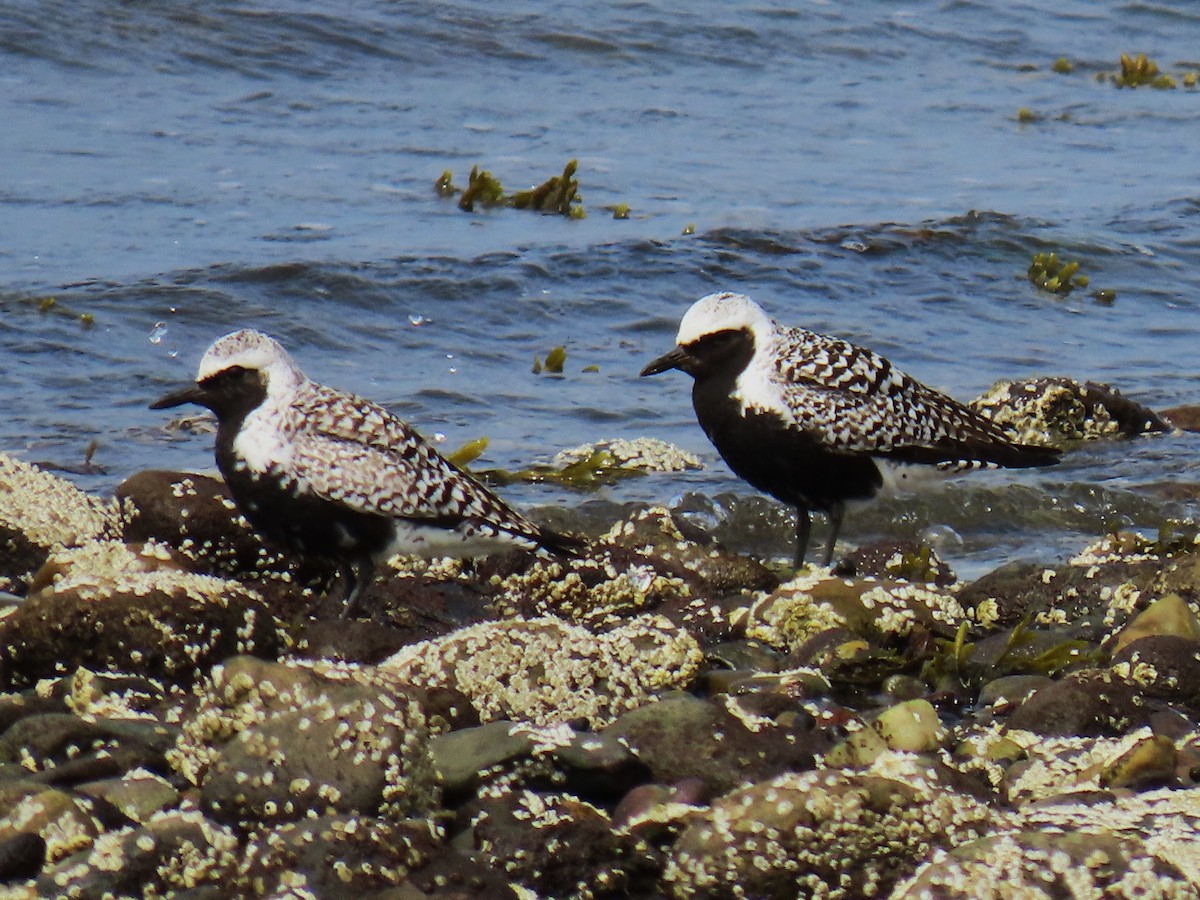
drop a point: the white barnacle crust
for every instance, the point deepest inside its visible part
(545, 670)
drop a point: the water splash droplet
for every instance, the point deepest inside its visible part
(158, 332)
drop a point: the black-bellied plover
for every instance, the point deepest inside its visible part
(329, 474)
(809, 419)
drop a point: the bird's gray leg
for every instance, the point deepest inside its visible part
(837, 511)
(359, 575)
(803, 529)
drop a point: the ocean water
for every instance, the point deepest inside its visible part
(172, 172)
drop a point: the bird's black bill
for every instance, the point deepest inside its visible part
(676, 359)
(192, 394)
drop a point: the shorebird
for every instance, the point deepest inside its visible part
(810, 419)
(326, 473)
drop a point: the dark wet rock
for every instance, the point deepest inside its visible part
(62, 821)
(172, 852)
(752, 656)
(343, 856)
(21, 856)
(62, 748)
(909, 560)
(138, 795)
(598, 766)
(1163, 666)
(1012, 689)
(195, 514)
(129, 609)
(17, 706)
(1149, 763)
(461, 757)
(818, 834)
(1083, 703)
(40, 513)
(1185, 418)
(1041, 865)
(556, 844)
(410, 607)
(683, 737)
(271, 742)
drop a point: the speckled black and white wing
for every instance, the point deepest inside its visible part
(354, 452)
(858, 402)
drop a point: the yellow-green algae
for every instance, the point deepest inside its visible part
(557, 194)
(1051, 274)
(1139, 71)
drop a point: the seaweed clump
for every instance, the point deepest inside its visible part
(1057, 276)
(557, 194)
(1138, 71)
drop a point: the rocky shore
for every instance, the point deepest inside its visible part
(183, 714)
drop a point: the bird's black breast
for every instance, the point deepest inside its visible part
(302, 521)
(786, 462)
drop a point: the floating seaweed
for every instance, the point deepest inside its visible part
(557, 194)
(445, 185)
(1063, 66)
(1051, 274)
(481, 186)
(621, 211)
(1138, 71)
(595, 470)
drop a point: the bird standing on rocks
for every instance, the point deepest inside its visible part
(326, 473)
(809, 419)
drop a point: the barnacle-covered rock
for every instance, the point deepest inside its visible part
(109, 606)
(641, 454)
(1046, 865)
(344, 856)
(545, 670)
(271, 742)
(819, 601)
(1053, 411)
(173, 851)
(821, 833)
(195, 515)
(556, 844)
(40, 513)
(1165, 821)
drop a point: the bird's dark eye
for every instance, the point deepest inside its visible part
(232, 375)
(717, 343)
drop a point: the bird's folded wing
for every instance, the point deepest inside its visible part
(857, 401)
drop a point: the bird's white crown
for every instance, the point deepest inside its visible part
(725, 311)
(253, 350)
